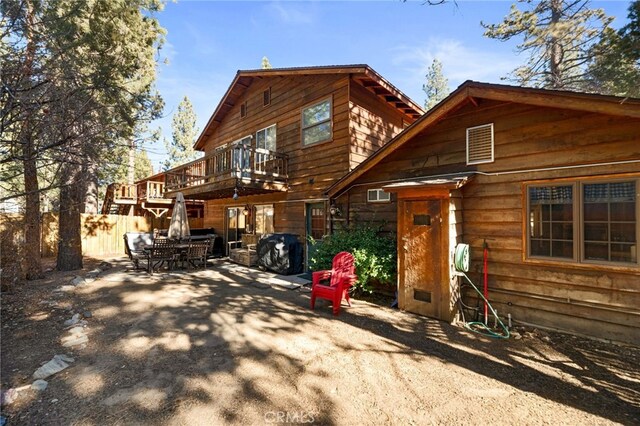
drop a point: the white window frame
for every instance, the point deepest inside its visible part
(377, 199)
(329, 120)
(469, 129)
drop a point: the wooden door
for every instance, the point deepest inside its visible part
(421, 286)
(315, 228)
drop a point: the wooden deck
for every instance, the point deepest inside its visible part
(238, 169)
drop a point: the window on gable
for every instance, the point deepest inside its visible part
(316, 123)
(584, 221)
(266, 97)
(480, 144)
(378, 196)
(243, 110)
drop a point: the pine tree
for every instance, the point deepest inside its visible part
(77, 79)
(615, 65)
(557, 35)
(436, 87)
(266, 65)
(184, 132)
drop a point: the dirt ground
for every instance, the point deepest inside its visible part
(214, 347)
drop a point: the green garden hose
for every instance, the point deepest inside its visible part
(461, 262)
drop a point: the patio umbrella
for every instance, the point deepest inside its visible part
(179, 225)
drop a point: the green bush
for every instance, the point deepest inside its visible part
(375, 255)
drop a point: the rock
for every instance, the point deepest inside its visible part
(87, 314)
(8, 397)
(74, 340)
(54, 400)
(77, 281)
(57, 364)
(65, 288)
(546, 339)
(104, 266)
(39, 385)
(78, 330)
(74, 320)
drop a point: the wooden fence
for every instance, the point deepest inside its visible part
(101, 233)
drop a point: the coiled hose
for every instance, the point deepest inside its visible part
(461, 262)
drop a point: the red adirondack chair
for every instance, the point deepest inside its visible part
(341, 277)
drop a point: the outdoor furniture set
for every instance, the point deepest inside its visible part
(160, 250)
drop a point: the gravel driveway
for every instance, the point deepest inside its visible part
(215, 347)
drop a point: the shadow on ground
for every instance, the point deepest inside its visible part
(212, 347)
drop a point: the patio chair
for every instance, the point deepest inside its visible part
(134, 243)
(197, 253)
(341, 277)
(163, 250)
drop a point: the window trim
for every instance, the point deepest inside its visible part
(579, 261)
(493, 144)
(254, 211)
(243, 110)
(266, 96)
(274, 125)
(330, 120)
(378, 191)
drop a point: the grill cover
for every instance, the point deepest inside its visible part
(280, 253)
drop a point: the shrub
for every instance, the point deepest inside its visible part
(375, 255)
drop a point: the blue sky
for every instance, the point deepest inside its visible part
(208, 41)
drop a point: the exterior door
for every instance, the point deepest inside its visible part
(315, 227)
(235, 224)
(421, 285)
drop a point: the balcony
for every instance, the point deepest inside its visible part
(235, 169)
(152, 192)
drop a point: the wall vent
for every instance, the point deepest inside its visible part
(480, 144)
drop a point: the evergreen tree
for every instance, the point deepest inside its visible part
(615, 65)
(77, 79)
(436, 87)
(184, 132)
(266, 65)
(557, 35)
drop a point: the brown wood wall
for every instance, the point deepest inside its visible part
(601, 301)
(362, 122)
(372, 124)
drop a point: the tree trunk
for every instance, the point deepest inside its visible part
(70, 239)
(556, 51)
(90, 183)
(32, 206)
(32, 232)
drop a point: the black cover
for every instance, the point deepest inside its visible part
(280, 253)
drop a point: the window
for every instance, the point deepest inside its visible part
(264, 219)
(584, 221)
(265, 144)
(241, 154)
(610, 221)
(266, 138)
(266, 97)
(243, 110)
(378, 196)
(480, 144)
(316, 123)
(551, 221)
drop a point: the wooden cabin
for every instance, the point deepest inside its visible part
(549, 180)
(279, 138)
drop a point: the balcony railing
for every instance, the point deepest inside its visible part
(238, 161)
(124, 192)
(151, 190)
